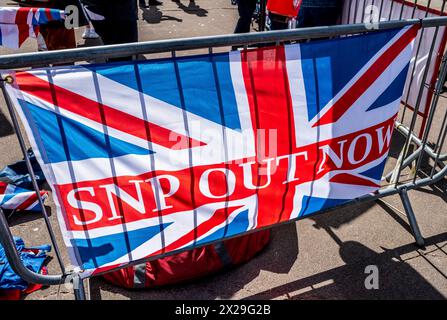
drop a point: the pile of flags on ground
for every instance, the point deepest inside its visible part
(18, 24)
(17, 194)
(16, 189)
(19, 199)
(11, 285)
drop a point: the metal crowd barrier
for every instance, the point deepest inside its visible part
(371, 11)
(429, 146)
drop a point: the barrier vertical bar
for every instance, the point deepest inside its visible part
(421, 91)
(411, 218)
(224, 133)
(29, 166)
(418, 101)
(78, 288)
(402, 10)
(380, 9)
(7, 241)
(152, 168)
(349, 11)
(433, 107)
(415, 61)
(187, 131)
(439, 144)
(363, 11)
(355, 11)
(262, 14)
(391, 10)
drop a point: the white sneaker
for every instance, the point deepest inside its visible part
(90, 34)
(41, 45)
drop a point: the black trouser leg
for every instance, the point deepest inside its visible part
(318, 16)
(278, 25)
(116, 32)
(246, 9)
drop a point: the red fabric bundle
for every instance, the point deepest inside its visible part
(191, 264)
(287, 8)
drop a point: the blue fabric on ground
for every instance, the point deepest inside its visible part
(9, 280)
(18, 175)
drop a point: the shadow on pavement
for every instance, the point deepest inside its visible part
(397, 279)
(23, 217)
(5, 127)
(438, 189)
(192, 8)
(154, 15)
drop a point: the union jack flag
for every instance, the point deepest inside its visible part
(146, 158)
(15, 198)
(18, 24)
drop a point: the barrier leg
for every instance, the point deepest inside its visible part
(7, 241)
(78, 288)
(411, 218)
(29, 166)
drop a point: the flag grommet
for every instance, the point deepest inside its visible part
(8, 79)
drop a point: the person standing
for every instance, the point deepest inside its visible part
(314, 13)
(115, 21)
(282, 13)
(246, 8)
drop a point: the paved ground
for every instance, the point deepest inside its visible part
(318, 258)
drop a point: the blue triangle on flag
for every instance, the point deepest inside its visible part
(96, 252)
(329, 65)
(314, 204)
(375, 172)
(80, 141)
(393, 92)
(239, 224)
(201, 94)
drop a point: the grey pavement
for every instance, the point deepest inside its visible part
(323, 257)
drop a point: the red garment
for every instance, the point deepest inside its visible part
(10, 295)
(191, 264)
(287, 8)
(17, 294)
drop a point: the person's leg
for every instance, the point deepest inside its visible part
(127, 32)
(303, 20)
(246, 9)
(325, 16)
(116, 32)
(278, 22)
(101, 28)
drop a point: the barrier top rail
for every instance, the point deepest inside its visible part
(33, 59)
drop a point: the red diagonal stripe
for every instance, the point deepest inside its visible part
(218, 218)
(31, 199)
(368, 78)
(114, 118)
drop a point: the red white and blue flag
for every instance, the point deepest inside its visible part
(18, 24)
(19, 199)
(146, 158)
